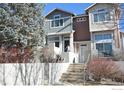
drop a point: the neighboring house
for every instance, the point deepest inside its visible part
(75, 37)
(105, 35)
(59, 30)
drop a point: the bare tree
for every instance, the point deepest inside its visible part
(51, 65)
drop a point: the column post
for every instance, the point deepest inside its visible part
(60, 43)
(71, 43)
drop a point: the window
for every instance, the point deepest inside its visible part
(98, 37)
(107, 36)
(101, 15)
(57, 21)
(104, 48)
(57, 16)
(95, 17)
(81, 19)
(56, 44)
(103, 36)
(61, 22)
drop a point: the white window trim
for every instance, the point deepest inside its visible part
(56, 26)
(49, 20)
(104, 43)
(96, 12)
(104, 40)
(60, 18)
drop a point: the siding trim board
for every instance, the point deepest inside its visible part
(60, 18)
(59, 33)
(80, 15)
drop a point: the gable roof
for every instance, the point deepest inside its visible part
(90, 6)
(60, 10)
(98, 3)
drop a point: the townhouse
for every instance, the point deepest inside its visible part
(105, 34)
(75, 37)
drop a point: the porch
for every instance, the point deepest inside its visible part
(82, 50)
(62, 44)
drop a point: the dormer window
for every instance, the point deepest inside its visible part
(57, 21)
(101, 15)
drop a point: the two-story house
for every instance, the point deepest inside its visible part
(74, 37)
(59, 30)
(103, 26)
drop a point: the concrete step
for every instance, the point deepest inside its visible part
(75, 70)
(76, 65)
(82, 67)
(75, 77)
(72, 80)
(74, 74)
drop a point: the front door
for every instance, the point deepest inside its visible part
(82, 54)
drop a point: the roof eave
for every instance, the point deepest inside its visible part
(60, 10)
(80, 16)
(90, 7)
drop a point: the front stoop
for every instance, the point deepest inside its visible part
(74, 75)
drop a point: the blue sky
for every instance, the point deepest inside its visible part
(77, 8)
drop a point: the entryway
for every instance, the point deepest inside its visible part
(82, 53)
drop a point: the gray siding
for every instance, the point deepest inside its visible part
(67, 28)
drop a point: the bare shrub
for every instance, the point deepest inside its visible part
(15, 55)
(48, 56)
(118, 55)
(51, 64)
(103, 68)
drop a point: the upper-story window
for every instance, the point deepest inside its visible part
(57, 16)
(103, 36)
(57, 21)
(101, 15)
(81, 19)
